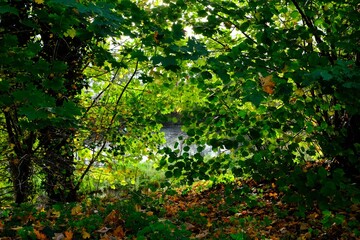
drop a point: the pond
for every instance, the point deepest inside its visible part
(172, 134)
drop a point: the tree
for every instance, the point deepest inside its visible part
(281, 81)
(271, 84)
(51, 51)
(45, 48)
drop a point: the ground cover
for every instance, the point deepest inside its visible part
(237, 210)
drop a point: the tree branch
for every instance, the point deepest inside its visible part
(103, 140)
(311, 26)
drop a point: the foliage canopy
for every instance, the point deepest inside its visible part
(271, 87)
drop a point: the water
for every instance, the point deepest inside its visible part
(172, 134)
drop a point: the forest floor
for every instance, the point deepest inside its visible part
(241, 210)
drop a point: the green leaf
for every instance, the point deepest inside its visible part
(326, 75)
(178, 31)
(206, 75)
(168, 174)
(139, 55)
(255, 98)
(177, 172)
(8, 9)
(322, 173)
(352, 85)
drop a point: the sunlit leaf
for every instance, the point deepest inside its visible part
(267, 83)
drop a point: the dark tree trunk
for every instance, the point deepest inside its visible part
(21, 170)
(57, 141)
(351, 164)
(21, 162)
(58, 164)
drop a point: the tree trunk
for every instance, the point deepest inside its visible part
(58, 164)
(20, 174)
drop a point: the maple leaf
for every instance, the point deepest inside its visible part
(119, 232)
(68, 235)
(76, 210)
(85, 234)
(70, 33)
(39, 235)
(112, 218)
(267, 83)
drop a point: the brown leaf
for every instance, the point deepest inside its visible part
(202, 234)
(68, 235)
(267, 83)
(103, 230)
(119, 232)
(189, 226)
(39, 235)
(58, 236)
(112, 218)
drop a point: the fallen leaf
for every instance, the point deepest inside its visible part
(106, 237)
(103, 230)
(39, 235)
(68, 235)
(202, 234)
(76, 210)
(85, 234)
(209, 223)
(112, 218)
(58, 236)
(304, 226)
(119, 232)
(189, 226)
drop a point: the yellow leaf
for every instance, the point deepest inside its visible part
(85, 234)
(209, 223)
(267, 83)
(76, 210)
(299, 92)
(285, 69)
(70, 33)
(137, 208)
(39, 1)
(56, 213)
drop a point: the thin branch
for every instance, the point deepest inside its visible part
(222, 44)
(312, 28)
(103, 140)
(238, 28)
(123, 91)
(102, 91)
(92, 161)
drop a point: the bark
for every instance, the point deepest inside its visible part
(58, 164)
